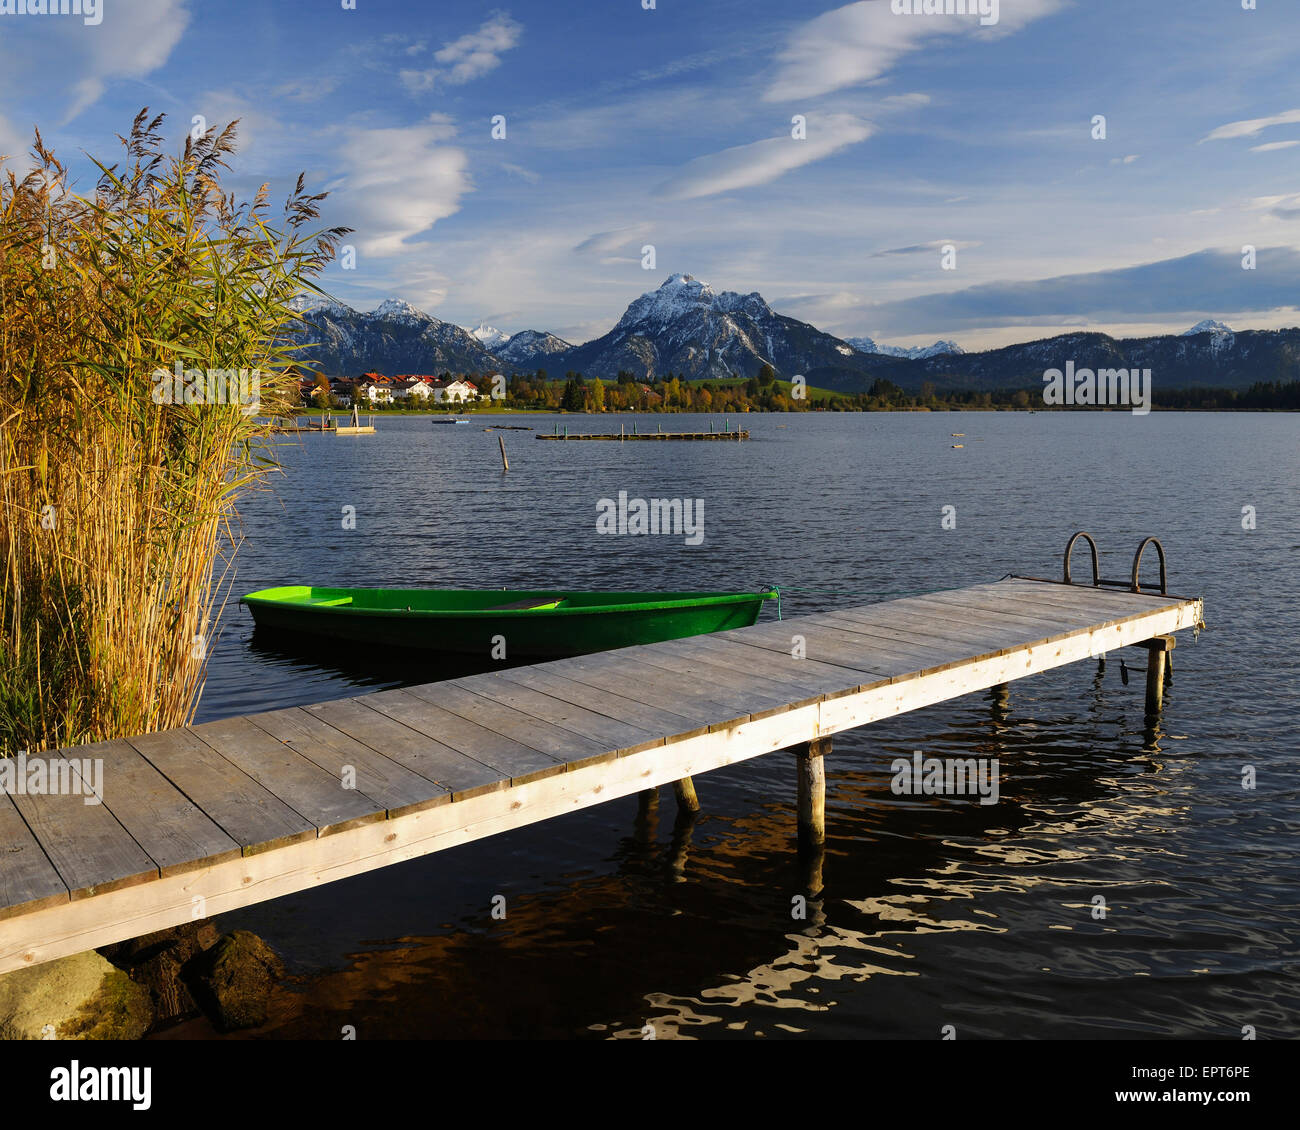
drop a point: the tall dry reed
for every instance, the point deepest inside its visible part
(116, 507)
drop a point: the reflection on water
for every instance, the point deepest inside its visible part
(923, 911)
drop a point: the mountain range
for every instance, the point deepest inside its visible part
(685, 327)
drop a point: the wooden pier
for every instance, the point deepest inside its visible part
(625, 436)
(202, 820)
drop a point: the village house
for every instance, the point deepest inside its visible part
(456, 392)
(375, 388)
(411, 387)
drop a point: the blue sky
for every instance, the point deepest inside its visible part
(672, 127)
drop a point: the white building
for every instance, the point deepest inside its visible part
(456, 392)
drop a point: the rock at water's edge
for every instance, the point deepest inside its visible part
(81, 997)
(236, 977)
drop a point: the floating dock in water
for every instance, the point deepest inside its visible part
(205, 819)
(624, 436)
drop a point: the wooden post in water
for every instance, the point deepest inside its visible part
(1157, 651)
(684, 790)
(505, 463)
(810, 760)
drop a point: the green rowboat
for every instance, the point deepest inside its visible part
(542, 625)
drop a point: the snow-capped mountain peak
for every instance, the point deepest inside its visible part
(1209, 326)
(681, 295)
(529, 347)
(315, 304)
(395, 308)
(911, 353)
(490, 336)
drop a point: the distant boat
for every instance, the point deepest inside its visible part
(539, 624)
(449, 420)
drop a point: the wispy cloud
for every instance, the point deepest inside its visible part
(1252, 127)
(1283, 207)
(1273, 146)
(759, 162)
(1209, 282)
(520, 172)
(399, 183)
(308, 89)
(607, 242)
(928, 248)
(469, 57)
(133, 41)
(861, 42)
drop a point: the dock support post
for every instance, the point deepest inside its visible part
(684, 790)
(1157, 652)
(647, 816)
(812, 790)
(505, 463)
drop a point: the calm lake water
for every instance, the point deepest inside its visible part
(935, 911)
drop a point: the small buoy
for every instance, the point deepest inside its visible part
(1123, 671)
(957, 445)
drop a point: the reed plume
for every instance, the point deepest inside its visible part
(117, 507)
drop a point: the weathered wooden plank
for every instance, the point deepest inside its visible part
(806, 675)
(564, 746)
(923, 653)
(977, 635)
(92, 852)
(745, 683)
(642, 715)
(379, 777)
(854, 669)
(28, 880)
(243, 809)
(629, 683)
(971, 633)
(1109, 604)
(1021, 610)
(826, 646)
(1146, 601)
(175, 833)
(621, 669)
(508, 759)
(611, 733)
(1020, 618)
(449, 768)
(302, 785)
